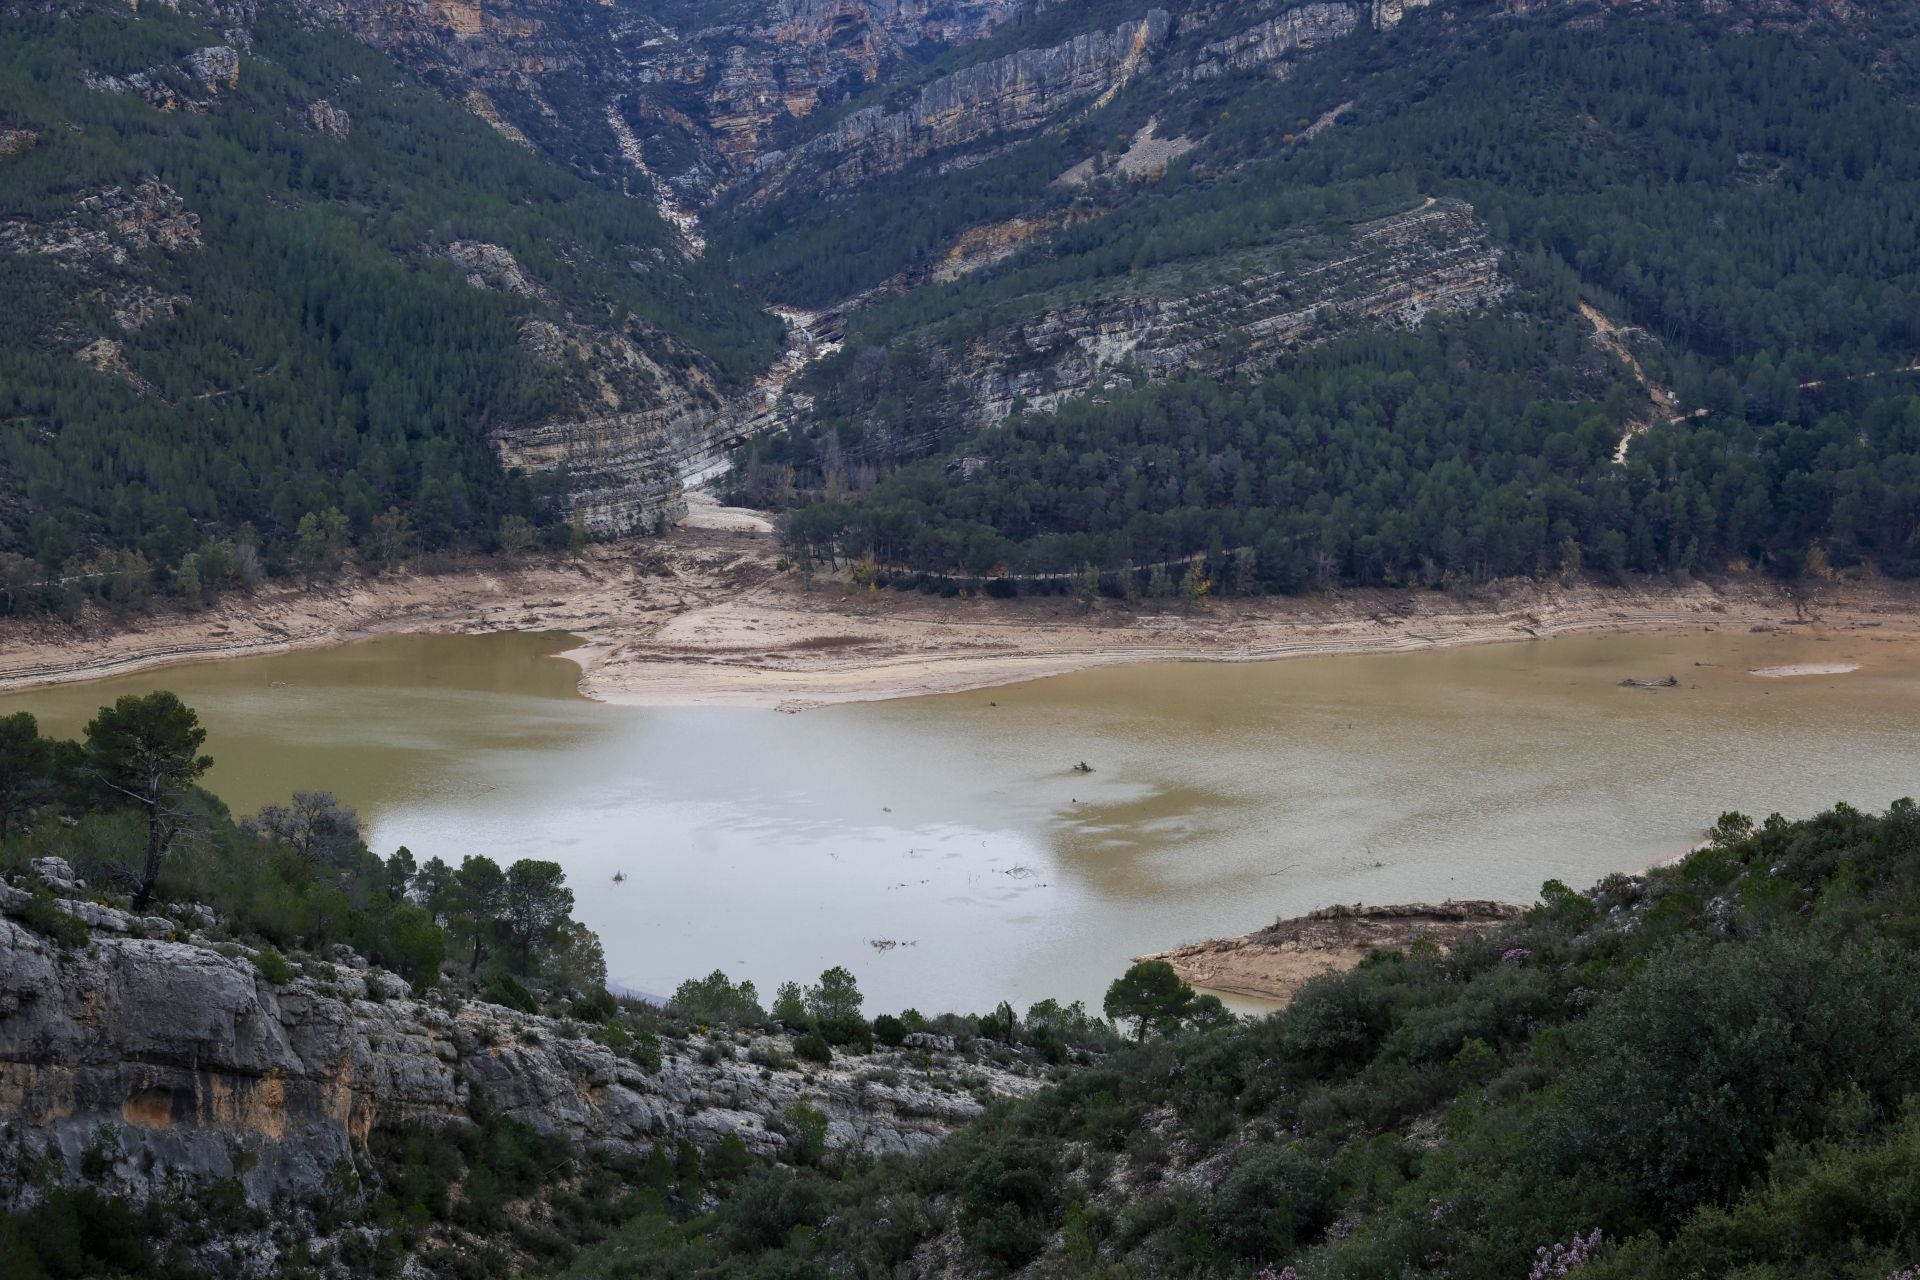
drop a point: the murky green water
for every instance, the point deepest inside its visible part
(1221, 797)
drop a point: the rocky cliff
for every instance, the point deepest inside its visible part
(1394, 270)
(143, 1058)
(707, 89)
(1275, 41)
(1006, 96)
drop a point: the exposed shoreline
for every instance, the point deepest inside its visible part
(1273, 963)
(703, 617)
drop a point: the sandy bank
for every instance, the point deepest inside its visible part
(1274, 963)
(704, 616)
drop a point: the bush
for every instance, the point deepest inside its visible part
(812, 1047)
(853, 1033)
(1335, 1022)
(597, 1007)
(768, 1205)
(807, 1128)
(889, 1031)
(273, 966)
(646, 1051)
(504, 991)
(403, 938)
(44, 917)
(1007, 1194)
(75, 1233)
(1679, 1085)
(1275, 1198)
(717, 999)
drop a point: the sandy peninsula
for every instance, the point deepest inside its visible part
(706, 616)
(1275, 962)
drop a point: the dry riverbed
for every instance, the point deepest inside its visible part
(704, 616)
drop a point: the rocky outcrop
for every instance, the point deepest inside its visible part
(215, 68)
(719, 91)
(104, 355)
(17, 142)
(1010, 95)
(489, 266)
(208, 71)
(109, 227)
(1388, 13)
(108, 232)
(144, 1060)
(1395, 271)
(1274, 43)
(328, 120)
(623, 469)
(1275, 962)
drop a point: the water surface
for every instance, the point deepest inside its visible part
(1222, 795)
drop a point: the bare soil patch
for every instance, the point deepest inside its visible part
(1275, 962)
(705, 616)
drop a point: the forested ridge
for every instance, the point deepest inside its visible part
(1739, 200)
(322, 354)
(1736, 200)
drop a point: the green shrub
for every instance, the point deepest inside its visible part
(646, 1051)
(1274, 1199)
(44, 917)
(889, 1030)
(596, 1007)
(1008, 1191)
(1679, 1085)
(807, 1127)
(767, 1207)
(812, 1047)
(718, 999)
(273, 966)
(505, 991)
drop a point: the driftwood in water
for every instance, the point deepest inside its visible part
(1669, 683)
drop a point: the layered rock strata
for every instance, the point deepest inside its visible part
(1010, 95)
(1394, 271)
(146, 1059)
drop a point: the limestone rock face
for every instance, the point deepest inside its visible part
(116, 242)
(1274, 42)
(17, 142)
(623, 468)
(216, 67)
(738, 78)
(1009, 95)
(328, 120)
(488, 266)
(1398, 270)
(1388, 13)
(109, 227)
(213, 69)
(174, 1063)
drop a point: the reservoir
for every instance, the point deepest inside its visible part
(950, 851)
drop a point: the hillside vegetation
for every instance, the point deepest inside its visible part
(240, 298)
(1708, 1070)
(1734, 199)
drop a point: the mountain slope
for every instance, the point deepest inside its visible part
(262, 273)
(1704, 1070)
(1727, 195)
